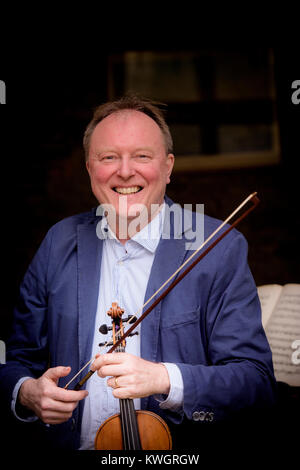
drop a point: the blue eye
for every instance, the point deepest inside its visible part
(143, 157)
(108, 157)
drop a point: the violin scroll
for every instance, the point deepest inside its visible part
(115, 311)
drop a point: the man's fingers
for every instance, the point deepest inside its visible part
(105, 359)
(111, 371)
(117, 382)
(54, 373)
(60, 394)
(56, 404)
(59, 404)
(55, 416)
(52, 404)
(117, 364)
(49, 405)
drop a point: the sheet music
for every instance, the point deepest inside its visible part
(282, 330)
(268, 296)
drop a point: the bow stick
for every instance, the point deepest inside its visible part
(251, 198)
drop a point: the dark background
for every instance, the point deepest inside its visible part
(43, 177)
(49, 104)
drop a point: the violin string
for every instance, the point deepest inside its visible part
(123, 421)
(132, 418)
(176, 272)
(123, 415)
(128, 429)
(132, 443)
(130, 425)
(125, 425)
(124, 434)
(135, 423)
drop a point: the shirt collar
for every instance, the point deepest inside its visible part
(148, 237)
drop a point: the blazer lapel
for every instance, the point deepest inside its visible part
(89, 263)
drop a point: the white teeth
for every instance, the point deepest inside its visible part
(133, 189)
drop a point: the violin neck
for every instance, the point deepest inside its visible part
(130, 430)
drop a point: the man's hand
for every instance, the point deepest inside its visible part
(136, 377)
(49, 402)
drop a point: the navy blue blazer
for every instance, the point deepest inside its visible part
(209, 324)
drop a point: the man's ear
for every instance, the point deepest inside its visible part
(87, 165)
(170, 165)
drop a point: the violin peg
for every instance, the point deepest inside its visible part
(135, 333)
(104, 329)
(105, 344)
(130, 319)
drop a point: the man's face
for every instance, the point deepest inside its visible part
(127, 159)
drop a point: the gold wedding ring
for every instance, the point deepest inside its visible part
(116, 383)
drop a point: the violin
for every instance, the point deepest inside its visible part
(130, 429)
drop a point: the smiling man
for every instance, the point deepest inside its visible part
(128, 158)
(200, 357)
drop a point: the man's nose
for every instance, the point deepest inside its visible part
(126, 168)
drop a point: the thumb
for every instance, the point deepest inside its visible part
(54, 373)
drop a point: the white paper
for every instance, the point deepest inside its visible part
(282, 330)
(268, 296)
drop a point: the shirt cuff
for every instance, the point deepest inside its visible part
(173, 401)
(14, 404)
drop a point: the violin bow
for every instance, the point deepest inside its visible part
(251, 198)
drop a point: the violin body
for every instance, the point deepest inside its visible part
(154, 432)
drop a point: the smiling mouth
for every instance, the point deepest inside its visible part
(130, 190)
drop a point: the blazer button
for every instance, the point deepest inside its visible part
(196, 416)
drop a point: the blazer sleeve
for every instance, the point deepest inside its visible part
(27, 348)
(238, 374)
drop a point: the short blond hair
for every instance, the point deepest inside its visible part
(133, 102)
